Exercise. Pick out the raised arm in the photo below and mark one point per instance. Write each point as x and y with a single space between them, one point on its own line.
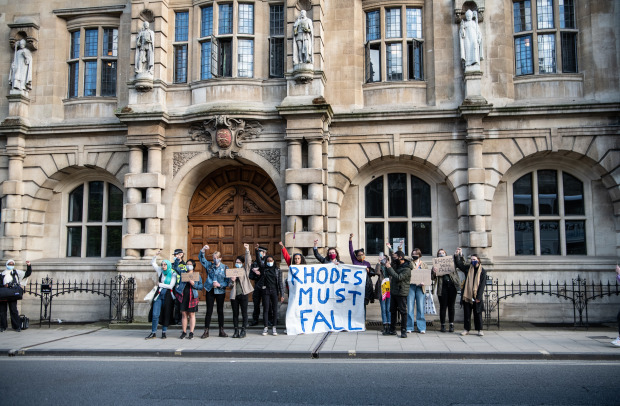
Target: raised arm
155 266
285 254
316 253
351 253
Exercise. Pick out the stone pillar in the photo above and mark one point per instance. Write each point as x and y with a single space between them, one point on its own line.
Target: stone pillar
134 197
294 190
153 196
13 190
315 190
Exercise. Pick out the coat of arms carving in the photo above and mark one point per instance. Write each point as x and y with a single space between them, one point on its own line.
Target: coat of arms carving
225 135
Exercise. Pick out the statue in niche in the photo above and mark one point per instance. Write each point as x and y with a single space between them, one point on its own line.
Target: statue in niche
470 40
144 50
20 77
303 32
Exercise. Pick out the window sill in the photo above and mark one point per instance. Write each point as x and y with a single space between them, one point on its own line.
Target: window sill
549 77
90 99
394 84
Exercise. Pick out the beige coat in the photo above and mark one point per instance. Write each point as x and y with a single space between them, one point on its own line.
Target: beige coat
244 280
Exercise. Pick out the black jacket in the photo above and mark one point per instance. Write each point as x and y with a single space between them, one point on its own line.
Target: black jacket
273 273
459 262
399 278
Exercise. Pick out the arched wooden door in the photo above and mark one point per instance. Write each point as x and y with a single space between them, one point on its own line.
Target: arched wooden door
232 206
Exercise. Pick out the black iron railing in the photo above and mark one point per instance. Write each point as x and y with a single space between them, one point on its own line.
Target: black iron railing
119 290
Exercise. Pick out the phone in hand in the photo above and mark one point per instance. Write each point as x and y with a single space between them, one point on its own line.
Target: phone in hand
382 258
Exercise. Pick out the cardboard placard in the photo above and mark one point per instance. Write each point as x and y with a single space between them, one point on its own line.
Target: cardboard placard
236 272
398 244
186 275
421 276
443 265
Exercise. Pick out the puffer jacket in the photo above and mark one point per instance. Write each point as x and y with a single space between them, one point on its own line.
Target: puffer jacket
399 278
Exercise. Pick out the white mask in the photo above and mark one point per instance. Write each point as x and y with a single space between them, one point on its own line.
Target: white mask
238 265
269 263
190 267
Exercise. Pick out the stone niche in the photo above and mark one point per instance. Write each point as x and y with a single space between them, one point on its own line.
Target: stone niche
25 27
461 6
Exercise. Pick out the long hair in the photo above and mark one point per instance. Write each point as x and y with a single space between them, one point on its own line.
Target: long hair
303 259
337 253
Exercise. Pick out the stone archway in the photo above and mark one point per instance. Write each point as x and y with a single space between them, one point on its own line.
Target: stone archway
232 206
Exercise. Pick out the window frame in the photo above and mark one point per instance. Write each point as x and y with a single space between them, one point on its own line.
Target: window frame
277 41
558 47
409 219
561 217
179 45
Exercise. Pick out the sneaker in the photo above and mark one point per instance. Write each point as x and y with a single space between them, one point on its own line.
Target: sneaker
616 342
151 336
183 334
480 333
265 331
422 332
274 332
409 331
464 333
451 328
163 336
190 336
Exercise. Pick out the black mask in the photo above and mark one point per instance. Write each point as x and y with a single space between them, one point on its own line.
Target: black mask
414 257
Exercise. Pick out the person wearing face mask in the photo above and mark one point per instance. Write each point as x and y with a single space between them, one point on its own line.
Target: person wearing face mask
187 296
215 285
399 271
255 275
273 289
241 288
332 254
163 302
358 257
446 287
176 261
416 298
473 290
8 276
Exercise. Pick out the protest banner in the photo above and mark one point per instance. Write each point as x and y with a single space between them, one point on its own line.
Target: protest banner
236 272
421 276
325 297
443 265
185 276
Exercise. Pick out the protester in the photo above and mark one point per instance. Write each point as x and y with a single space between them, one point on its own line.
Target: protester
296 259
332 254
272 286
163 302
187 296
178 254
616 342
416 298
358 257
10 275
257 296
241 288
446 287
215 285
382 293
399 271
473 290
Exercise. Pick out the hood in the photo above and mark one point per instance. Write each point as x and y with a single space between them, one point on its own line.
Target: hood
7 262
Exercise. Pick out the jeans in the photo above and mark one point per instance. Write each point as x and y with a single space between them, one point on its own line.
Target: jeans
240 301
157 305
385 310
415 302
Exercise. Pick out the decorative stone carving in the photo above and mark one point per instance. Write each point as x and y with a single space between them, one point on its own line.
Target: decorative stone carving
271 155
303 32
20 76
225 135
250 207
25 28
179 159
144 60
461 6
470 39
226 207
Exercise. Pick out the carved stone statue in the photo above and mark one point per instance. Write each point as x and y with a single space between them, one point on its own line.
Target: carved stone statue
304 33
144 50
20 77
470 40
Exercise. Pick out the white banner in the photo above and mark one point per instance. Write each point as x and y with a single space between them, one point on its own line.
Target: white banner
325 297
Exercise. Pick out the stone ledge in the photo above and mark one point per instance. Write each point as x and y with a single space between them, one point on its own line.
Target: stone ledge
145 180
144 210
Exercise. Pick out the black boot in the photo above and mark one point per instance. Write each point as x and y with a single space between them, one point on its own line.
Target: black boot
386 327
222 332
403 333
242 334
205 334
443 328
236 333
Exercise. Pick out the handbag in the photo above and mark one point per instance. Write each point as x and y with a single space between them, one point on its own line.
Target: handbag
149 296
13 292
429 304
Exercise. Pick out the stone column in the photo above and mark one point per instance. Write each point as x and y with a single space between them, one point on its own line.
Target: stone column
134 197
477 204
294 190
315 190
153 196
13 190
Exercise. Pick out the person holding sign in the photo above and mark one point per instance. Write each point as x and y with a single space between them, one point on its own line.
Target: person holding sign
473 290
216 289
257 297
399 271
271 277
332 255
241 288
447 284
416 298
186 293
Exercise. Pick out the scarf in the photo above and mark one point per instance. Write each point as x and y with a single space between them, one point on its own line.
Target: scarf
168 272
471 284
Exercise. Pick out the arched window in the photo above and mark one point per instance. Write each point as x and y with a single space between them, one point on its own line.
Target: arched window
397 206
94 220
549 214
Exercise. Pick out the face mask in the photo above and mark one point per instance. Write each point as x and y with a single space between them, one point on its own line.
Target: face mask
216 260
415 257
190 267
238 265
474 263
442 254
10 267
269 263
332 256
261 254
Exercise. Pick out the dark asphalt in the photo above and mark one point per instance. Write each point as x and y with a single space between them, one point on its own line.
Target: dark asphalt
106 381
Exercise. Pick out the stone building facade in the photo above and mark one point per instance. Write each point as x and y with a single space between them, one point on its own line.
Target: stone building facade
382 132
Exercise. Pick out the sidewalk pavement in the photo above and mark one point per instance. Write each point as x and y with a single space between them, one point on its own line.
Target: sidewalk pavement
521 341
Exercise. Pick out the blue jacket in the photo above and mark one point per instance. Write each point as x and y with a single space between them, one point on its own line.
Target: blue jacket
214 273
198 285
